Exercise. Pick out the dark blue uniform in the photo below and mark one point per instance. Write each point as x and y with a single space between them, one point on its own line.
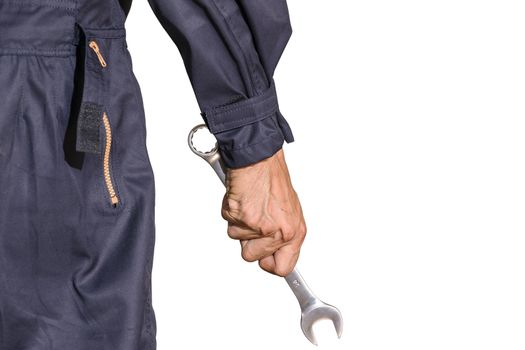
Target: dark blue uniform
76 185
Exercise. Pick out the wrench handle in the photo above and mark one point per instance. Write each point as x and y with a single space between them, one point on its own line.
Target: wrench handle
218 166
294 279
304 295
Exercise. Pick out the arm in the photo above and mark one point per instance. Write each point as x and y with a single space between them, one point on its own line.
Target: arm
230 49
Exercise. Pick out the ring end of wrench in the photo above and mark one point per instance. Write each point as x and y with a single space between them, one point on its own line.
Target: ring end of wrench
206 155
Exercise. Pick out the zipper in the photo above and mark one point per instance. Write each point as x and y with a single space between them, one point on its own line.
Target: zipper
93 44
110 187
106 165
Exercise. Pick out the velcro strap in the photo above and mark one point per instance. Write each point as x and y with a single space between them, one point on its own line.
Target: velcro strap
243 112
88 127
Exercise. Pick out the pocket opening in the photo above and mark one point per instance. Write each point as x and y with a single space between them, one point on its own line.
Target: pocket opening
94 46
106 163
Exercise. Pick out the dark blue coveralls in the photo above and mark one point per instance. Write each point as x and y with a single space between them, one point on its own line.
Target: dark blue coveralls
76 184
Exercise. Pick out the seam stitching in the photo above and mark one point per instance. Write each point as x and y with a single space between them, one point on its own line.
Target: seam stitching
250 145
230 26
32 3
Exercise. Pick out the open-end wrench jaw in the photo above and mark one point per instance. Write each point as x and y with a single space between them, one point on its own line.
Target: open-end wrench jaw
317 311
312 308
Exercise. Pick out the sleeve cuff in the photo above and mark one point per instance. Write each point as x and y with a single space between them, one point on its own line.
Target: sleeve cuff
250 130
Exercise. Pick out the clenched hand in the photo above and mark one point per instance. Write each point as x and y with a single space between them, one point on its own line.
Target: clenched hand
264 213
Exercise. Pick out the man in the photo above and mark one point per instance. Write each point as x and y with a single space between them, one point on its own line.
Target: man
76 185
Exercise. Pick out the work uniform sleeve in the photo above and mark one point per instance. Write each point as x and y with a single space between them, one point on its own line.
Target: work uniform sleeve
230 49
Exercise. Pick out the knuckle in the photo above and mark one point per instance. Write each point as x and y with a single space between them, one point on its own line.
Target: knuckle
288 235
282 270
302 230
225 214
229 210
266 229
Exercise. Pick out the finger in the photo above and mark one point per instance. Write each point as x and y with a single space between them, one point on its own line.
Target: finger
243 243
256 249
268 264
285 259
241 232
228 213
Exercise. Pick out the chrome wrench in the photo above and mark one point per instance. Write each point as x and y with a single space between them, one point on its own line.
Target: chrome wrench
312 308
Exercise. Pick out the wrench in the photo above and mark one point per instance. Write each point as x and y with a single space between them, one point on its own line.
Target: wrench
312 308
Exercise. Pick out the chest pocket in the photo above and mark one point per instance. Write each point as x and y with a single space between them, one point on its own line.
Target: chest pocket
94 133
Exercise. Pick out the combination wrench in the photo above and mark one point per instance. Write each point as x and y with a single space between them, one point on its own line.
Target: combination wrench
312 308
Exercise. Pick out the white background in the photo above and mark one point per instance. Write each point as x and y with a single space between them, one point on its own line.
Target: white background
409 119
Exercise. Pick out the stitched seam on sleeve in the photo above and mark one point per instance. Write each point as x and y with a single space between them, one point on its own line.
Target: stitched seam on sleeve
241 122
216 112
251 66
274 135
244 112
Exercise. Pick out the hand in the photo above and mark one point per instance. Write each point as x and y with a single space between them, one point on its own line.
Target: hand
264 214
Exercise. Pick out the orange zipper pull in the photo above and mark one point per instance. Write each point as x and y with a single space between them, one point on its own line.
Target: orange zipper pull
93 44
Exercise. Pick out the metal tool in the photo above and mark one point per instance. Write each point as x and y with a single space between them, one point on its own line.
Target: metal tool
312 308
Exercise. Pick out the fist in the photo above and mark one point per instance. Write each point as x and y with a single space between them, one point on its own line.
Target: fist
264 213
